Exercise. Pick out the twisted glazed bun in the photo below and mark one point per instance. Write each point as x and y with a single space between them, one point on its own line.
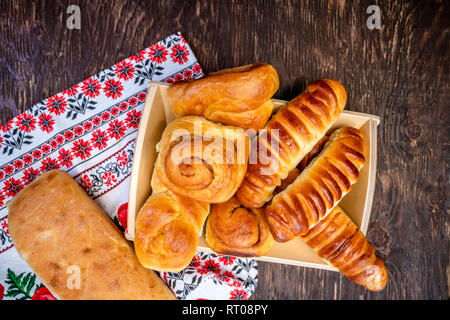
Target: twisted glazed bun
319 187
234 230
291 133
202 160
167 230
338 241
237 96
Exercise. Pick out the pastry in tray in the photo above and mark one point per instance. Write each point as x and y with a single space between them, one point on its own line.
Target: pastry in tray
290 134
203 160
238 96
234 230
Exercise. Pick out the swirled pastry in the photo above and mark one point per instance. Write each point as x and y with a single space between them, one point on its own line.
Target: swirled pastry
291 133
234 230
167 230
237 96
319 187
338 241
201 159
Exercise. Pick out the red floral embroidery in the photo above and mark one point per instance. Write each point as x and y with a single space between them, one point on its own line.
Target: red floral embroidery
113 89
179 54
196 262
2 203
85 182
110 178
239 294
158 53
78 130
46 149
133 118
115 111
46 122
116 129
99 139
42 294
2 291
122 158
123 106
142 96
81 149
12 186
87 125
18 164
106 115
196 68
65 158
187 73
132 101
71 91
56 105
211 266
68 135
49 164
37 154
169 80
9 169
178 77
124 70
139 56
29 175
60 139
227 260
97 121
28 158
26 122
53 144
91 87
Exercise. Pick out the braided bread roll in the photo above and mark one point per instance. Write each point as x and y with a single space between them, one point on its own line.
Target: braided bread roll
320 186
338 241
234 230
167 230
201 159
293 131
237 96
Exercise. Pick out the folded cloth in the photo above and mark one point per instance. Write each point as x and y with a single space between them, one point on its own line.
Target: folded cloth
90 131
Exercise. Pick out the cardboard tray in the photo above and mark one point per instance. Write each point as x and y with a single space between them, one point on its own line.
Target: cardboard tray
157 113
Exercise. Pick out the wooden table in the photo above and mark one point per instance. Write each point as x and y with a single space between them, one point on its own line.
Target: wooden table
399 72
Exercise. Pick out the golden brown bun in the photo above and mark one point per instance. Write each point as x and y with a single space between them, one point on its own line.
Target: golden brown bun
167 230
57 228
319 187
295 129
234 230
236 96
201 159
337 240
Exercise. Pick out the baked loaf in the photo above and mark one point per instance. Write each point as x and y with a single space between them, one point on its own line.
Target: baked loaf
234 230
320 186
201 159
57 229
338 241
237 96
167 230
291 133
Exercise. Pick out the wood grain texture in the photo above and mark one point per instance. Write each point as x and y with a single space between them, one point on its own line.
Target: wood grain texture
399 72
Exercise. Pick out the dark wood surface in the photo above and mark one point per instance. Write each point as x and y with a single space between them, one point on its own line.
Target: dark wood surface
400 72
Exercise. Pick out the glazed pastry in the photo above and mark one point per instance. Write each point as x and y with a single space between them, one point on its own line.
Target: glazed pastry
61 232
319 187
238 96
202 160
234 230
338 241
291 134
167 230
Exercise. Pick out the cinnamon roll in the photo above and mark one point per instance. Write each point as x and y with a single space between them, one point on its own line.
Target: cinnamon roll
201 159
